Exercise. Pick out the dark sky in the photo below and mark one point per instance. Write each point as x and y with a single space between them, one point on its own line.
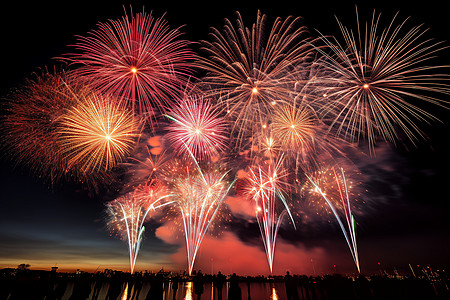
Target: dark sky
407 221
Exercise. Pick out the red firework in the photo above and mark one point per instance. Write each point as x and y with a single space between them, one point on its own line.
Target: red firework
138 58
31 122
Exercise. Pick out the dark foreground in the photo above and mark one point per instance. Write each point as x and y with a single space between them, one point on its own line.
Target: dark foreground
27 284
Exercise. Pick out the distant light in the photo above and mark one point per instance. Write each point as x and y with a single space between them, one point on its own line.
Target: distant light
273 102
197 131
133 70
108 137
264 126
254 90
365 86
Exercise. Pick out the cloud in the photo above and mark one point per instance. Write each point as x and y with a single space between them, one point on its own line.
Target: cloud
229 253
241 206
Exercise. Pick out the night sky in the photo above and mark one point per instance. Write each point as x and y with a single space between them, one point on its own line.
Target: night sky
406 220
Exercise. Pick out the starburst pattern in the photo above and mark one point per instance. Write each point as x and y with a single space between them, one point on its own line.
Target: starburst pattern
138 58
197 126
97 134
249 70
376 82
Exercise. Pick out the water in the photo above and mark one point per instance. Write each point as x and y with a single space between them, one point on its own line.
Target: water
258 291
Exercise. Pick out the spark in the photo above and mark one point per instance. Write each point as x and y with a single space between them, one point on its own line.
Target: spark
247 68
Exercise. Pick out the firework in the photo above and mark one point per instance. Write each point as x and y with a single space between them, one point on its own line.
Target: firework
303 137
294 128
344 204
128 213
138 58
268 146
197 126
198 195
248 70
266 184
30 124
146 166
374 84
97 134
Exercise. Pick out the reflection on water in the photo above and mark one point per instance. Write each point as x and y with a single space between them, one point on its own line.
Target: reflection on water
125 293
303 288
258 291
274 295
188 291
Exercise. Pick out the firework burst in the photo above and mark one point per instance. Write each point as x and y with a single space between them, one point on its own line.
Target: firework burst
138 58
146 166
196 126
304 138
30 125
294 128
373 85
97 134
248 69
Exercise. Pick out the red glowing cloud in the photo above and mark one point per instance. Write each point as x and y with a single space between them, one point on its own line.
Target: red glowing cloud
228 254
241 206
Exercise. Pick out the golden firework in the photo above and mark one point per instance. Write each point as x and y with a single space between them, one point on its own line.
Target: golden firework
97 134
294 128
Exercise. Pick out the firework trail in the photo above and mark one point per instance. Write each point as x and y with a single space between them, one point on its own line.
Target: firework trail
97 134
248 69
374 84
138 58
350 232
198 195
265 184
128 213
196 126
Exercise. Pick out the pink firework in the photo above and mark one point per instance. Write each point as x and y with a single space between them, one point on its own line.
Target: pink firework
197 126
138 58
